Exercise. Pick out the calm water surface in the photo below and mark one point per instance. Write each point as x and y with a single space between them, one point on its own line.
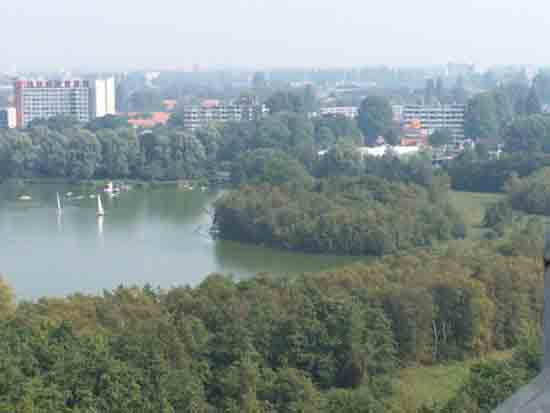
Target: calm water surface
157 236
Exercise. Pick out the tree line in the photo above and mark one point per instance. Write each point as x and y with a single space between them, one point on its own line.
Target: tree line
108 148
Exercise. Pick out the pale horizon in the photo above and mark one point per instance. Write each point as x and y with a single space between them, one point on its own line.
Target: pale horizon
124 34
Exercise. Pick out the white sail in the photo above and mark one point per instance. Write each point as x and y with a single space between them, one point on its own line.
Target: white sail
100 211
58 203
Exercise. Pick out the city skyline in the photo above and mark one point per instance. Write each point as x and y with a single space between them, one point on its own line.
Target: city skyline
259 34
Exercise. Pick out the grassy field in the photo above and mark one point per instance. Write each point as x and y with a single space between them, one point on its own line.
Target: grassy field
472 206
424 385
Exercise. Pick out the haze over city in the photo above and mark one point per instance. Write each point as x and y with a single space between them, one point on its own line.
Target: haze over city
259 33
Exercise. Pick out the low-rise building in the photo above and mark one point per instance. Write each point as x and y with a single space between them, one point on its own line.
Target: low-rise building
379 151
349 112
149 120
8 118
197 116
412 134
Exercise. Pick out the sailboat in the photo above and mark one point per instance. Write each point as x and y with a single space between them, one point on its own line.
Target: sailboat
59 210
100 211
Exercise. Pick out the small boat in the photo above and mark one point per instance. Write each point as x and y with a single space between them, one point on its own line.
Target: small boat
69 194
100 211
25 198
79 197
59 210
92 196
110 188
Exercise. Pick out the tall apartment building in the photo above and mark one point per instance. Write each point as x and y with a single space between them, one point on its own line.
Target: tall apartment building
432 118
8 118
83 99
197 116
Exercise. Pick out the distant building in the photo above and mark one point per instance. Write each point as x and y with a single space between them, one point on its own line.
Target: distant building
197 116
379 151
436 117
397 113
350 112
169 104
153 119
83 99
103 97
8 118
412 134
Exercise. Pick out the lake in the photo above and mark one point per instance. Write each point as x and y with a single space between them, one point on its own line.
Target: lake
156 235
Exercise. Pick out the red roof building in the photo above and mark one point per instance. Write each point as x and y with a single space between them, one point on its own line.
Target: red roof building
137 120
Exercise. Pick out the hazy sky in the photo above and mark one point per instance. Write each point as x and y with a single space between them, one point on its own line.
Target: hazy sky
266 33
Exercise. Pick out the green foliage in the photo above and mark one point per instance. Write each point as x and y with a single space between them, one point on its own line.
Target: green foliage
528 134
336 129
164 153
492 382
441 137
480 119
108 122
530 194
269 166
299 101
498 213
532 103
541 84
322 342
7 300
375 117
357 216
469 173
56 123
340 160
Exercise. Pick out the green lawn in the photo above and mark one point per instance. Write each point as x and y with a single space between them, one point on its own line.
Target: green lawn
424 385
472 207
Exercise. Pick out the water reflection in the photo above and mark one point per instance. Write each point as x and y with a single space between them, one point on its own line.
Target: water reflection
100 228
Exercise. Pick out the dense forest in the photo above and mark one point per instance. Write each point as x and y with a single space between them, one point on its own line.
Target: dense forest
356 216
326 342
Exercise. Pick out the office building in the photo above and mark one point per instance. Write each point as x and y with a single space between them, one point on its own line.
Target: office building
436 117
197 116
83 99
8 118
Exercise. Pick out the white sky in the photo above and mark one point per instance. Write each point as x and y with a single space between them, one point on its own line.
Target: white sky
267 33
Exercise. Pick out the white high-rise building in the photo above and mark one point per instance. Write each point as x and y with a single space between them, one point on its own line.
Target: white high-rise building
104 97
83 99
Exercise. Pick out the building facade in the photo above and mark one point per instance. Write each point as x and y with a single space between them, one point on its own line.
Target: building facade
197 116
432 118
83 99
103 97
350 112
8 118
